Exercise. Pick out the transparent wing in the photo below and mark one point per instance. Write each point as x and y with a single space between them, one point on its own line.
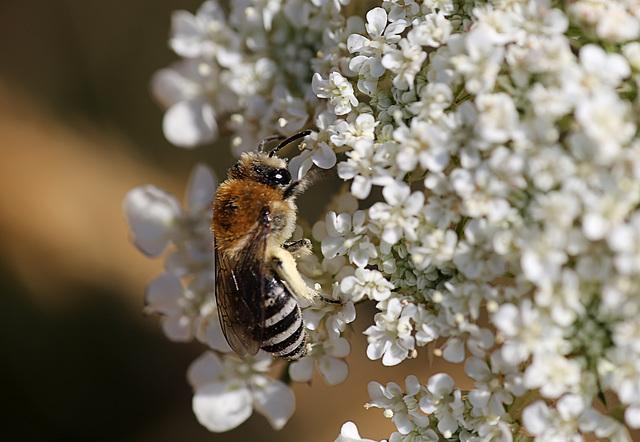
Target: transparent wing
240 290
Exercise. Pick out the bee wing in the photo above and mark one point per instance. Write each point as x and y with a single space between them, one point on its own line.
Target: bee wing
240 292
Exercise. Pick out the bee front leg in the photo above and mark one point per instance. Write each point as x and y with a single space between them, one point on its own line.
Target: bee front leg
298 248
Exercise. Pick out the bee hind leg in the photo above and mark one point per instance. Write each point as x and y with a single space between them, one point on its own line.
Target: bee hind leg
285 267
298 248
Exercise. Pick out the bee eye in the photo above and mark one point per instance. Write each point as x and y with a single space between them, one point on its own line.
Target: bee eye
280 176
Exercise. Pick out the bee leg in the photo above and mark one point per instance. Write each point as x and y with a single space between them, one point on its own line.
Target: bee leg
298 248
292 190
284 265
330 301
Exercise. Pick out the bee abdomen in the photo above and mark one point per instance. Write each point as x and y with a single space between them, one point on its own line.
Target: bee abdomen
284 334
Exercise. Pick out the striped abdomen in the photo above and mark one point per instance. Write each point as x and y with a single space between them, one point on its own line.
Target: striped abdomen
284 333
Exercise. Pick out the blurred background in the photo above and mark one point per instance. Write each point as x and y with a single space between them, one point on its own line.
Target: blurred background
78 129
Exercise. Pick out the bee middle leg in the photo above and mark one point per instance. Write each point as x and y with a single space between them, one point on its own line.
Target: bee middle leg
298 248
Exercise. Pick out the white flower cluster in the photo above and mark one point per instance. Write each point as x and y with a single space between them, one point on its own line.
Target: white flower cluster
504 139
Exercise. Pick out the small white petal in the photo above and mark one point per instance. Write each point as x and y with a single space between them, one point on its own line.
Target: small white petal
441 384
153 215
355 42
396 193
349 433
302 369
190 123
213 336
275 401
202 186
361 187
453 350
335 371
535 417
164 294
178 328
187 36
376 21
222 406
325 157
632 416
169 86
204 370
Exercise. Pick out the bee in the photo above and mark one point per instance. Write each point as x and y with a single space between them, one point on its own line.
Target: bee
257 284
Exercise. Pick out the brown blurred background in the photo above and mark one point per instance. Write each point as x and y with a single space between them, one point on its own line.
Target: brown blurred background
78 129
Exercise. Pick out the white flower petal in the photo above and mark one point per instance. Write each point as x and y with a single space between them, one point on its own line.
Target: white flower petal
163 294
178 328
441 384
153 215
213 336
334 370
170 86
202 186
204 370
376 21
361 187
222 406
302 369
535 417
349 433
190 123
324 157
186 40
275 401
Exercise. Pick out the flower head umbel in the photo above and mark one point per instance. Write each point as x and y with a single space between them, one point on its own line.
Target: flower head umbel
492 164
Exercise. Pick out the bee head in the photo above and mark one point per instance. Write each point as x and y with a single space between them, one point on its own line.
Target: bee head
266 168
260 167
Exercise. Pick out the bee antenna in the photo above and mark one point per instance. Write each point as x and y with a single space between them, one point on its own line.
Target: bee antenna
268 140
289 140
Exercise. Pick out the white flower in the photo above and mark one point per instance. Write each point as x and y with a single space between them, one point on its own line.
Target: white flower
346 235
444 402
366 283
396 219
337 89
400 406
481 62
190 119
559 424
321 155
553 374
365 166
391 339
424 143
329 356
490 395
227 390
356 133
433 31
205 34
368 64
405 62
617 24
497 117
610 129
155 216
525 328
504 135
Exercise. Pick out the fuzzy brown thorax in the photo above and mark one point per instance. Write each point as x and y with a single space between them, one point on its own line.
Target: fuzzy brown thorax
256 184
